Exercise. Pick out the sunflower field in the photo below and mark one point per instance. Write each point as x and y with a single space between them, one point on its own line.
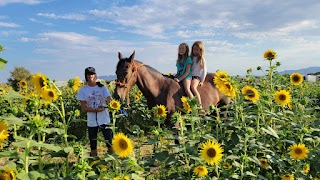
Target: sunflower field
271 130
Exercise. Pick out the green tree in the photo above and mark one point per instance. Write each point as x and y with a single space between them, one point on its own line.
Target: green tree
19 73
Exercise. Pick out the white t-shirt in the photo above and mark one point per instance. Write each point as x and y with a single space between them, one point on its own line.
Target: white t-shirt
95 97
198 70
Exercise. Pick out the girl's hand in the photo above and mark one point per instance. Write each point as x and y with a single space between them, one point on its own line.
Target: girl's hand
201 83
176 79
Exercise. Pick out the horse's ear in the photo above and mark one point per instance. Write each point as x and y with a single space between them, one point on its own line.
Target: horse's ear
131 58
119 55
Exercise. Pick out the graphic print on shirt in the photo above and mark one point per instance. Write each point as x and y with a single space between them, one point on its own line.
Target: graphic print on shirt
95 99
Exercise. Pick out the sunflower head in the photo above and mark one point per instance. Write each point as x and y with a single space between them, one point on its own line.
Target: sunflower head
160 111
298 151
296 79
122 145
3 133
287 177
226 165
114 105
225 87
269 54
39 81
264 163
136 98
23 84
211 152
282 97
49 94
200 171
306 168
250 93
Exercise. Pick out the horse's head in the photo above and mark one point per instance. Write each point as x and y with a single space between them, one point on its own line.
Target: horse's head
126 76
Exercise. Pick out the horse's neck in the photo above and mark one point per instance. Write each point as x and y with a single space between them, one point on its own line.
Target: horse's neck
149 82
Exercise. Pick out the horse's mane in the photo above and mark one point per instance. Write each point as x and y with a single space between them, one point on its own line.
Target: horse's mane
149 67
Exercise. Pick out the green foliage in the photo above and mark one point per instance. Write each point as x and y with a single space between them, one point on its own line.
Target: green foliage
18 74
48 141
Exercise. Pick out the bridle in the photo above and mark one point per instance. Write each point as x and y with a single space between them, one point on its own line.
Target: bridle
135 70
125 85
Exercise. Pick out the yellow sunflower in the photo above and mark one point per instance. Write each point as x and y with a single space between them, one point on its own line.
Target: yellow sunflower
126 178
122 145
76 84
296 79
49 94
264 163
136 98
287 177
211 152
220 77
250 93
269 54
226 88
306 168
3 132
200 171
226 165
23 84
115 105
39 81
8 174
184 99
282 97
298 151
140 93
160 111
186 106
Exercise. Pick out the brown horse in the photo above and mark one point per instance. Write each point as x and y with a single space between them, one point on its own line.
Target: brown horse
158 89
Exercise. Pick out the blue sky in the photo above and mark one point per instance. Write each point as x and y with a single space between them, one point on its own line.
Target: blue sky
60 38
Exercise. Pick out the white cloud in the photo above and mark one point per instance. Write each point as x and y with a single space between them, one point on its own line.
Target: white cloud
100 29
5 2
71 16
9 25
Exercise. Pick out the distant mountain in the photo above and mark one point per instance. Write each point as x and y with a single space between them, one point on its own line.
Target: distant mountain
108 77
303 71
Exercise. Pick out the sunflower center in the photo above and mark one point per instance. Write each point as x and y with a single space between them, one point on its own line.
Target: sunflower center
296 79
114 105
228 86
123 144
41 83
160 111
282 97
298 151
211 152
200 169
50 94
250 93
270 55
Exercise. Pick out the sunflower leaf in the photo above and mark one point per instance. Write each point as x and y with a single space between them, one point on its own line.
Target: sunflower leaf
270 131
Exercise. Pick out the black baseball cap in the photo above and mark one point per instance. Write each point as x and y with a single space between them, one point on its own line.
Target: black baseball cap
90 70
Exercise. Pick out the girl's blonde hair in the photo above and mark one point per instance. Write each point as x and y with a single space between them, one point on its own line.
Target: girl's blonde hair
184 56
200 58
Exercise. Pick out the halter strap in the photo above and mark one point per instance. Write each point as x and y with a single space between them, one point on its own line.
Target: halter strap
135 70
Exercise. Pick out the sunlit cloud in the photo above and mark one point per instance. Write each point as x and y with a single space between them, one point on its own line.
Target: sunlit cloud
9 25
71 16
